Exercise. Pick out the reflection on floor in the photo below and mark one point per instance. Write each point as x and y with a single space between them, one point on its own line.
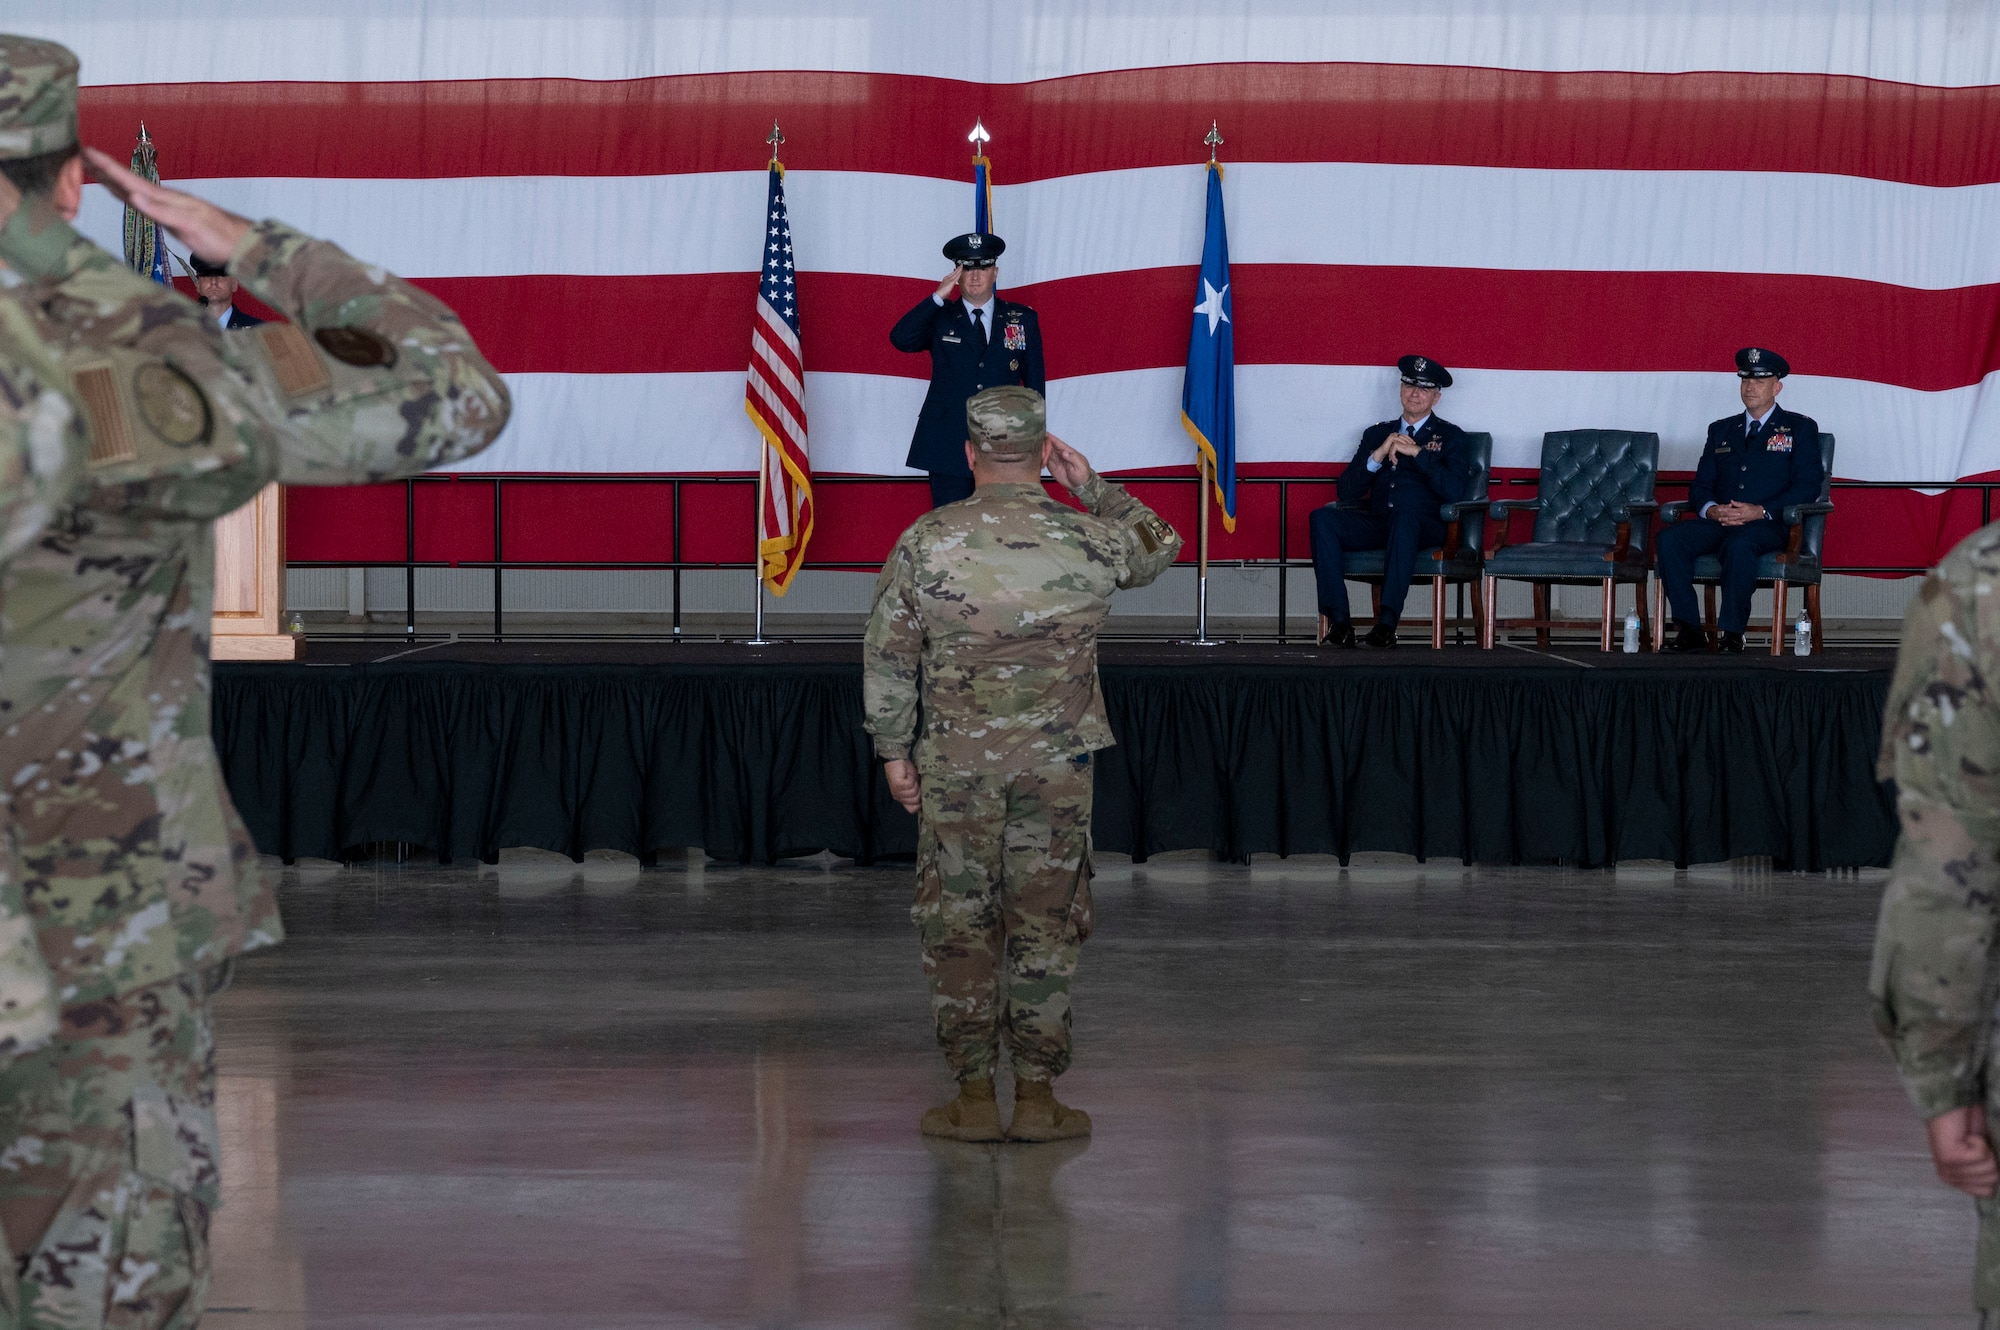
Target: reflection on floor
1397 1096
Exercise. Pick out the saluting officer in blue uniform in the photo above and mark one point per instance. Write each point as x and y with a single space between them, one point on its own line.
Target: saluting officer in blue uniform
1756 463
1405 469
977 341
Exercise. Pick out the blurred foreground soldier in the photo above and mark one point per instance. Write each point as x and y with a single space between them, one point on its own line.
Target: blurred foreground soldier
1933 976
1404 471
976 341
985 623
216 290
1754 465
139 877
42 446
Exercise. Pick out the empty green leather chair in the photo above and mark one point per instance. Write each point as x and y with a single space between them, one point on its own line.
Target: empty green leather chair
1593 526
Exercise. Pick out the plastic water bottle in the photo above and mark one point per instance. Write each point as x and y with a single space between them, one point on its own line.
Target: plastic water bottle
1802 637
1632 634
297 627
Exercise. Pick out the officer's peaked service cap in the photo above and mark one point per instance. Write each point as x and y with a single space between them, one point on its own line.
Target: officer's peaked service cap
203 268
1007 423
1424 372
975 249
37 97
1754 362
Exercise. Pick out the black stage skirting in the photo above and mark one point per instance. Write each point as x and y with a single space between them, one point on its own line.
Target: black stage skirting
756 754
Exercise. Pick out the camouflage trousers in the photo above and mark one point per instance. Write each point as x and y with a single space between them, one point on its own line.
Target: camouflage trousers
1003 891
108 1164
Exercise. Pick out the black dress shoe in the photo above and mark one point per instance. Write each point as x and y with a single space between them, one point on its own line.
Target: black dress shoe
1380 636
1732 644
1340 635
1687 639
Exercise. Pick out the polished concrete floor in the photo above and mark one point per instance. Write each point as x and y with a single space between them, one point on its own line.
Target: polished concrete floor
550 1095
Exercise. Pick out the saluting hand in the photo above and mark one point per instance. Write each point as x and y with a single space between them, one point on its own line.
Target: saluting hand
1963 1155
209 231
1070 467
950 282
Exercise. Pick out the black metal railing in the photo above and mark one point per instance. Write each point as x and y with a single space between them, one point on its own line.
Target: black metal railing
677 565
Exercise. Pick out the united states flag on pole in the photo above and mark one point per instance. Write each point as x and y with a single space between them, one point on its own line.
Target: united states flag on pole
775 398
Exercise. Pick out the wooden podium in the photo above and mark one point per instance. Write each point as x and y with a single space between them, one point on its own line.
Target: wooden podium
250 583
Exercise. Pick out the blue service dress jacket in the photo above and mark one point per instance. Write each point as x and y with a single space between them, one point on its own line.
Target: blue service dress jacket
1438 474
1013 355
238 319
1779 468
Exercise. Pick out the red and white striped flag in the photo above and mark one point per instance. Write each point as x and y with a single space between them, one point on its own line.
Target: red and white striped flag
775 397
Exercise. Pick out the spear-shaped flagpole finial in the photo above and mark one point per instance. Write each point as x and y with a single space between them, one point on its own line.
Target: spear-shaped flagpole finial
144 137
1214 139
777 137
978 138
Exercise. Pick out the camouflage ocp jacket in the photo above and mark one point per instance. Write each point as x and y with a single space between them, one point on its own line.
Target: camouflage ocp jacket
135 864
1933 980
988 612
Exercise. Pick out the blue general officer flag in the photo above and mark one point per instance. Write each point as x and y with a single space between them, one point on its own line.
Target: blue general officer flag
1208 396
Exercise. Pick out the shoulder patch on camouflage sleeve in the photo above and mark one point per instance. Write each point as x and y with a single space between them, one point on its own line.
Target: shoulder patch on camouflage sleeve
170 404
359 347
295 364
110 427
1153 533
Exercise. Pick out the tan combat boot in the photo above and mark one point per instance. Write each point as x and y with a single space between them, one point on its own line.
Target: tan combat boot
1038 1116
973 1116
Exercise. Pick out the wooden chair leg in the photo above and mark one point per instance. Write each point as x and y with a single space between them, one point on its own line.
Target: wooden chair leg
1604 614
1659 615
1778 616
1479 608
1489 601
1812 612
1708 615
1437 614
1542 615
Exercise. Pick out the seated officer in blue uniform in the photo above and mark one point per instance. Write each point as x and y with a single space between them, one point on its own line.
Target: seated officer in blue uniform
1756 463
217 291
976 341
1405 469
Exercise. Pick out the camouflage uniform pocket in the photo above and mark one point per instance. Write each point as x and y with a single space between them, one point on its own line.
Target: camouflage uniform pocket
174 1142
161 1277
1080 920
924 909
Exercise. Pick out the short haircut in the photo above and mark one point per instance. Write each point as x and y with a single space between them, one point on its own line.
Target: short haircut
37 174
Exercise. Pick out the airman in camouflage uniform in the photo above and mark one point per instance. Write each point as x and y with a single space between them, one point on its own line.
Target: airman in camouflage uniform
985 622
41 455
1934 982
138 874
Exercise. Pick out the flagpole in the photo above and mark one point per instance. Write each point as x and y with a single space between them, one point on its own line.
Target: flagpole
1206 486
757 638
1201 637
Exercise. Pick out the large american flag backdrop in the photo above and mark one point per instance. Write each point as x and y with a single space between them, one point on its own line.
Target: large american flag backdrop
1582 209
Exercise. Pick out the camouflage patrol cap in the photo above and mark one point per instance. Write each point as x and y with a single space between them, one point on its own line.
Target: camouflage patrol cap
37 97
1008 423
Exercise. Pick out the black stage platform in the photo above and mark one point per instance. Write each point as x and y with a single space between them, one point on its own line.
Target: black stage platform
755 754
